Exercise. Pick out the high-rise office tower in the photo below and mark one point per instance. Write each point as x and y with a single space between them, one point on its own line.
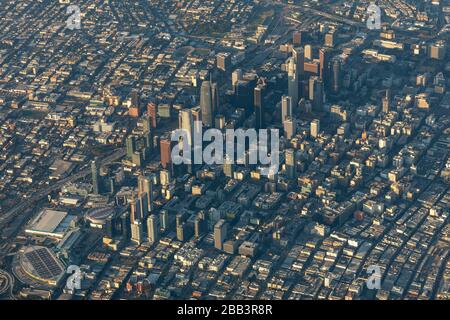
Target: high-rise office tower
336 76
315 128
135 222
297 38
296 70
298 54
153 228
165 177
146 123
181 227
386 101
137 232
235 77
145 186
290 163
198 227
312 84
209 102
220 122
286 108
131 146
206 103
289 128
186 123
224 62
259 104
324 58
135 100
164 219
137 158
152 112
196 114
135 107
220 233
179 219
330 39
133 208
308 52
148 135
438 50
293 83
228 167
215 100
124 225
142 207
244 96
166 153
181 230
95 177
316 93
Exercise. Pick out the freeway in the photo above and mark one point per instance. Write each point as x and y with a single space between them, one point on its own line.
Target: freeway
323 14
5 218
341 19
6 284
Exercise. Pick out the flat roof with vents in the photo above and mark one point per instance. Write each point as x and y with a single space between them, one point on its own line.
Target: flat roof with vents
50 223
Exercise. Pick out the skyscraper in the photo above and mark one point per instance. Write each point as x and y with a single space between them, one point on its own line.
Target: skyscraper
137 232
438 50
296 70
186 122
293 83
196 114
324 58
298 54
131 146
244 96
164 219
133 208
166 153
198 227
95 177
215 100
308 52
315 128
316 93
165 177
336 76
135 100
259 104
330 39
235 77
209 102
220 233
290 163
386 101
148 136
151 112
181 228
286 108
153 228
145 187
224 61
289 128
142 207
228 167
297 38
135 107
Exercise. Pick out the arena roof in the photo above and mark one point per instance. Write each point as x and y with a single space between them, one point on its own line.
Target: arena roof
41 264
